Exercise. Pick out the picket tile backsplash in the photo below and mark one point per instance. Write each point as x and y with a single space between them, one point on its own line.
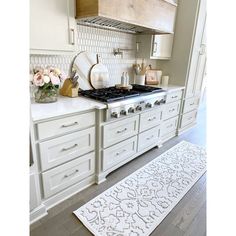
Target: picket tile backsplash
99 41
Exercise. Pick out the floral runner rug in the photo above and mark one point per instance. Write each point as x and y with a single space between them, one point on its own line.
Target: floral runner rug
136 205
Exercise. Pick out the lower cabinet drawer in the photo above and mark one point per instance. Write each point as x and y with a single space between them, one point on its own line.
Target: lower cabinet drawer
171 110
191 104
60 150
169 126
63 176
174 96
148 138
188 118
118 153
150 119
120 130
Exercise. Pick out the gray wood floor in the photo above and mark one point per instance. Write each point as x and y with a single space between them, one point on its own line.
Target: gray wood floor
188 218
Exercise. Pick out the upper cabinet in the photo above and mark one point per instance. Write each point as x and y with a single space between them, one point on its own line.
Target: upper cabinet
154 46
134 16
52 26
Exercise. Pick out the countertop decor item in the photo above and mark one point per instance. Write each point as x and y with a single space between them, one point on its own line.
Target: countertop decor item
70 87
153 77
139 73
165 80
47 82
137 204
99 75
82 64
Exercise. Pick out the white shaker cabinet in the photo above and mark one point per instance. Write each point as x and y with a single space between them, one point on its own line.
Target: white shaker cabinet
154 46
52 26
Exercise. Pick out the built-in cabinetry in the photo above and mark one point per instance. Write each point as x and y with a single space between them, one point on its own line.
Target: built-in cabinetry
52 26
65 149
154 46
188 62
171 115
130 15
124 139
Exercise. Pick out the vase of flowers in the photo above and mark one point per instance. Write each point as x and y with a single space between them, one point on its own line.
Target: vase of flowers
47 82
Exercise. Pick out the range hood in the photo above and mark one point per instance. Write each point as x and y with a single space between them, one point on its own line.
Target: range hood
130 16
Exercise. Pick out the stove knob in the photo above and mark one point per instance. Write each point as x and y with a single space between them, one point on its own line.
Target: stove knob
131 110
163 101
157 102
149 105
123 112
115 115
139 108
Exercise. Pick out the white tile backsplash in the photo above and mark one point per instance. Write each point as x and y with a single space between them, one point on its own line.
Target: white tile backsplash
99 41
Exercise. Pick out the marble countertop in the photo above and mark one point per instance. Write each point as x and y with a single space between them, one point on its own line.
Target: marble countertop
63 106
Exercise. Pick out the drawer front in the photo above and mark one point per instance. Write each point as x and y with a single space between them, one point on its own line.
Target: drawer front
169 126
60 150
188 118
63 125
191 104
63 176
148 138
118 131
171 110
175 96
119 152
150 119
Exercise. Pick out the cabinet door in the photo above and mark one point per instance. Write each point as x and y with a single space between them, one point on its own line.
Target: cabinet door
162 46
34 197
196 51
200 73
52 25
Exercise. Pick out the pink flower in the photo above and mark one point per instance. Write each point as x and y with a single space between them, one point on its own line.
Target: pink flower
38 79
54 79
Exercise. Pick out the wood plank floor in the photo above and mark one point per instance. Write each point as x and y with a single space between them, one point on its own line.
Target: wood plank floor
188 218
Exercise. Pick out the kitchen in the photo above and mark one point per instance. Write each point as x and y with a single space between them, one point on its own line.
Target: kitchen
139 88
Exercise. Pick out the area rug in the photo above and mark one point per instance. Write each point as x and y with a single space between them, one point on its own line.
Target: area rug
136 205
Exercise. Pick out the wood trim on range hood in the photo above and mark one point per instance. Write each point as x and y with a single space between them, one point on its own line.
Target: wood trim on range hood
131 16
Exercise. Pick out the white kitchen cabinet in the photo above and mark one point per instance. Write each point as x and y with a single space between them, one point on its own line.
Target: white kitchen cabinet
154 46
52 26
188 62
34 195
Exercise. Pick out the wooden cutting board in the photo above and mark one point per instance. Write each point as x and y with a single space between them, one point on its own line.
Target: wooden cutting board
99 75
83 64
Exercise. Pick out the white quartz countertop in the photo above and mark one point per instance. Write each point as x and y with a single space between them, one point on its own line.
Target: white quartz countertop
170 87
63 106
67 105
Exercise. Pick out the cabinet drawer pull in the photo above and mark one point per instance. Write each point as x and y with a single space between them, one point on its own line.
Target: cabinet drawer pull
191 104
121 131
66 176
66 149
72 31
65 126
118 153
174 96
172 110
150 137
190 118
169 126
151 119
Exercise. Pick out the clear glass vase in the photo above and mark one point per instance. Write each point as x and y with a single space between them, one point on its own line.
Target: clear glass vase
47 95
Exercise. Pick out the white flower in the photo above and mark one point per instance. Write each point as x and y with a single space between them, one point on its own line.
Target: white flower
54 79
57 71
46 79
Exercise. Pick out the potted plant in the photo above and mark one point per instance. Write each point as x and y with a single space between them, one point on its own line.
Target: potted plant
47 82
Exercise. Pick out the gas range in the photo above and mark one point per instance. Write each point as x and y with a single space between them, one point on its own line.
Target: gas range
121 103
